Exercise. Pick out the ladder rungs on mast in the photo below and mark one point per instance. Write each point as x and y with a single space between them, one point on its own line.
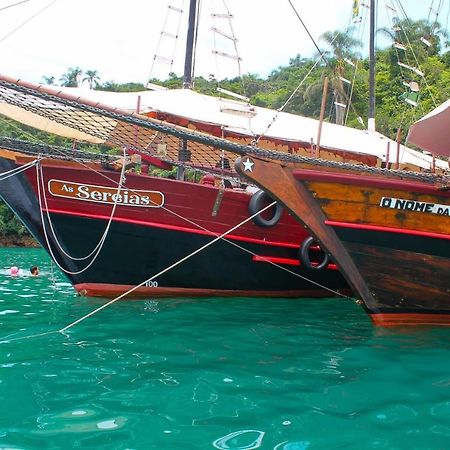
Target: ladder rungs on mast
169 35
227 55
414 69
222 33
174 8
163 59
233 94
222 16
399 46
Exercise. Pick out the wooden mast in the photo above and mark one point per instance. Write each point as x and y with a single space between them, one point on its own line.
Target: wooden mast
184 153
371 115
190 45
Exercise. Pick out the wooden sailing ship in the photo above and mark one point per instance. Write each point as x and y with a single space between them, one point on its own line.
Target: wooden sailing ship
387 230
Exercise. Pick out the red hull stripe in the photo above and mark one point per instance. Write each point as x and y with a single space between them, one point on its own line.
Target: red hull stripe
285 261
360 226
114 290
399 319
174 228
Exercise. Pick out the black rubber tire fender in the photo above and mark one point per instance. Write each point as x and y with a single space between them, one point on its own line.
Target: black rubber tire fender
305 259
257 202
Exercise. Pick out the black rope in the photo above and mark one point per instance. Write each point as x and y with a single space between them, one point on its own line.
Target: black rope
309 34
181 133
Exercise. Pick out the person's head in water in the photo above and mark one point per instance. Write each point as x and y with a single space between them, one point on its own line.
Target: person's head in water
34 271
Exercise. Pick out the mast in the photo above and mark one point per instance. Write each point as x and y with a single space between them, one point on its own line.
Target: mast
371 116
184 154
189 56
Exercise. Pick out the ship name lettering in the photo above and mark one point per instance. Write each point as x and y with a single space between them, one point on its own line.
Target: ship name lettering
413 205
123 198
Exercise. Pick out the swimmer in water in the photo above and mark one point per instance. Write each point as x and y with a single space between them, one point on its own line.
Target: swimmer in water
14 271
34 271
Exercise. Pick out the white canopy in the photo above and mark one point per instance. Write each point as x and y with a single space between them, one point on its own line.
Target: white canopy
231 115
432 132
238 117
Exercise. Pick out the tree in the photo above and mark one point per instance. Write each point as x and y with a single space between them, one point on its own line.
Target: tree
343 47
91 76
72 77
49 80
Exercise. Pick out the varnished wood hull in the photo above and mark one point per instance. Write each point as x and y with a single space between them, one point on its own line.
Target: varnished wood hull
389 236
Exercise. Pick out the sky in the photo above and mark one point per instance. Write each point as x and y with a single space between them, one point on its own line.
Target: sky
119 39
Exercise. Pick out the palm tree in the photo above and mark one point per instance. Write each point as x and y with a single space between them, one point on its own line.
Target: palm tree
92 78
343 47
72 77
49 80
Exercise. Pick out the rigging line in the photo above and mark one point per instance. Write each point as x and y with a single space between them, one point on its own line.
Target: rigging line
309 34
194 54
17 170
227 8
274 118
190 255
14 4
448 15
28 20
40 187
108 225
185 258
415 57
30 336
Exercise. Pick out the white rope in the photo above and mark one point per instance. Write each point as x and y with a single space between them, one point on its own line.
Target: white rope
50 250
17 170
274 118
28 20
221 236
203 247
105 232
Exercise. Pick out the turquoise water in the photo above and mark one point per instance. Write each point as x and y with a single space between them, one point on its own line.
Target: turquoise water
211 373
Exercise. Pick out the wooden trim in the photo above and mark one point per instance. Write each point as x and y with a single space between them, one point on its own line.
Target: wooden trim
285 261
408 319
114 290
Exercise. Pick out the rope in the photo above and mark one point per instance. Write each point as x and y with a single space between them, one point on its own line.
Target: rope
96 250
99 245
294 93
17 170
28 20
177 263
14 4
309 34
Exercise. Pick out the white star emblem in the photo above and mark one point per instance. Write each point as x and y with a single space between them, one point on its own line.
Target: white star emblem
248 165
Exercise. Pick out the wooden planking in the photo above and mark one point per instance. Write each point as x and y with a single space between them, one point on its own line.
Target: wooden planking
359 204
403 280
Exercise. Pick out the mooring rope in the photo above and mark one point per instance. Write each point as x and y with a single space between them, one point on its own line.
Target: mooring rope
191 222
99 245
97 250
185 258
